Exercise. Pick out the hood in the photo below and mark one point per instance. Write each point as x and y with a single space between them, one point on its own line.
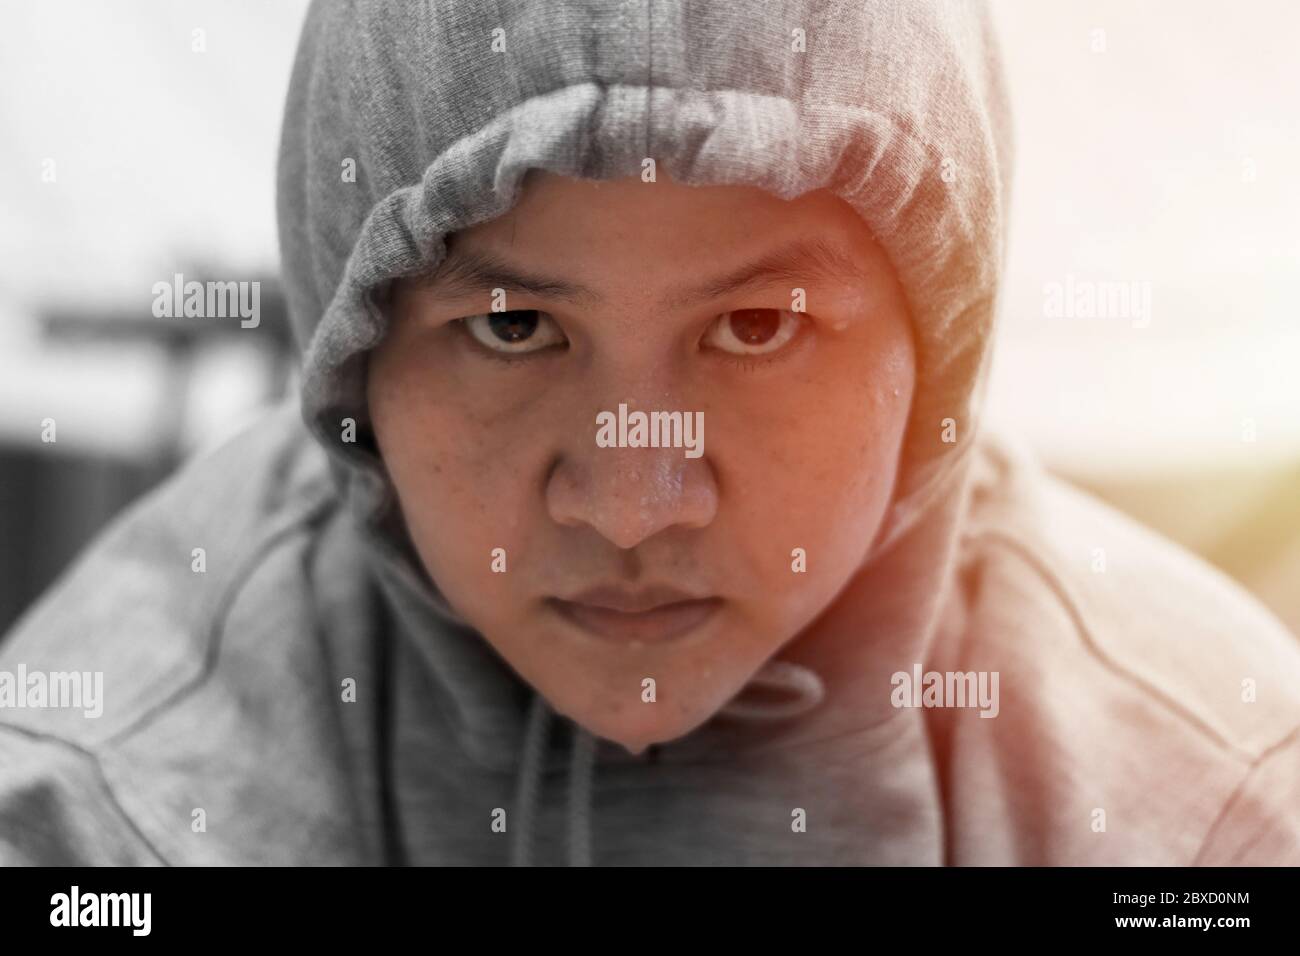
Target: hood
896 106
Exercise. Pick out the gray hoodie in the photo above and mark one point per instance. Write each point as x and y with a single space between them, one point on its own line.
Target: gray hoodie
309 696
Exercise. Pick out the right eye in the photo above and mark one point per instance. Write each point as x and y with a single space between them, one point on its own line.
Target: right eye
514 331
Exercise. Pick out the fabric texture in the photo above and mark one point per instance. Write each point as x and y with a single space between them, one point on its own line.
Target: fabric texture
442 129
222 688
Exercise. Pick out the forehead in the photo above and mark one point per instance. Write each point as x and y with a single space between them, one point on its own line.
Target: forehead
569 238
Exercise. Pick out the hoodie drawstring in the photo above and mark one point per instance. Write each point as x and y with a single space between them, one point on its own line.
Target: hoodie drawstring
582 758
803 687
535 740
581 765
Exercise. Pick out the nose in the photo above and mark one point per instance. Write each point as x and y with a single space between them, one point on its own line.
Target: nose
628 495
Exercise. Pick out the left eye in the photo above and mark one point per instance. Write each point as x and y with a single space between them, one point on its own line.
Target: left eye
752 331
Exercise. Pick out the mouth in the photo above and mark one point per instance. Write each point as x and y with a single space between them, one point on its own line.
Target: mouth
653 616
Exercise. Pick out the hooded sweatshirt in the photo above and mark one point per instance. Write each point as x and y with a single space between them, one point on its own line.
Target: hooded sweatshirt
309 696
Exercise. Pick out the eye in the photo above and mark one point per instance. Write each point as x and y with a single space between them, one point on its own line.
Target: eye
752 331
514 331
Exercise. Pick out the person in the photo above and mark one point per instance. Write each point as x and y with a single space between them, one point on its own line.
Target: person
636 506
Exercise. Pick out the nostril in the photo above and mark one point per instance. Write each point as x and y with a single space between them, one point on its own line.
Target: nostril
628 495
627 521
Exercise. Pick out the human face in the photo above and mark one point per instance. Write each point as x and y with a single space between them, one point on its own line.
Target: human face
618 566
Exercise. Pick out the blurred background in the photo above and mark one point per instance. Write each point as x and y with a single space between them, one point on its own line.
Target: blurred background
1158 146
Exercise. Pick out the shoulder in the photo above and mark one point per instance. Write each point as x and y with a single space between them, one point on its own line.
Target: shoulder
179 615
138 601
1136 677
1150 611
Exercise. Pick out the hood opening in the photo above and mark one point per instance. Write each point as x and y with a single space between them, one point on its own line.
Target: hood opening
896 106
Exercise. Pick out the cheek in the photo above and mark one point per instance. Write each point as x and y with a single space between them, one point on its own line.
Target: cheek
820 476
862 417
457 473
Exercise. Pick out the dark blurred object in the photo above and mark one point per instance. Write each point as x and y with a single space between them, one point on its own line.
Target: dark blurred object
50 506
53 501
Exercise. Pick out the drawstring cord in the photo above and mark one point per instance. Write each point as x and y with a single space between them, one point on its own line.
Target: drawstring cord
803 686
535 740
581 762
580 774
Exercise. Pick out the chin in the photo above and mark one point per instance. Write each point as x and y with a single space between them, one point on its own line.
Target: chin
643 725
636 743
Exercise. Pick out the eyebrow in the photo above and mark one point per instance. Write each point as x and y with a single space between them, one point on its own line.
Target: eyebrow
468 271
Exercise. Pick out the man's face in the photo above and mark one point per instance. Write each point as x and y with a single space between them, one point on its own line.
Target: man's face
780 324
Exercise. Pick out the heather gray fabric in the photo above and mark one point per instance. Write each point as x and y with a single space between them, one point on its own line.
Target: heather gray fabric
895 106
223 688
442 127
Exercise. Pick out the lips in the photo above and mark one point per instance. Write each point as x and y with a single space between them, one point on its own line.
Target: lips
652 614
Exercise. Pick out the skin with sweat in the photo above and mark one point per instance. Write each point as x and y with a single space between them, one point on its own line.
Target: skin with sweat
613 292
